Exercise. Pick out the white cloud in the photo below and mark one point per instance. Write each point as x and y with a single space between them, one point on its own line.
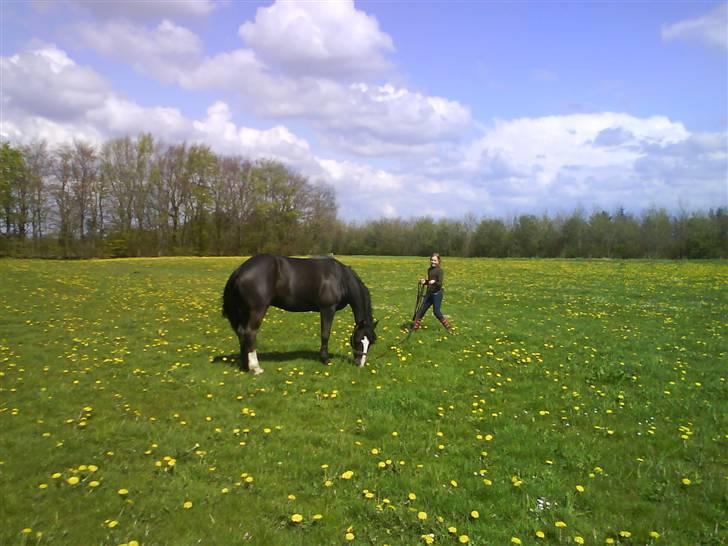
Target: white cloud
45 81
146 10
164 53
357 118
331 39
521 165
711 28
218 131
540 149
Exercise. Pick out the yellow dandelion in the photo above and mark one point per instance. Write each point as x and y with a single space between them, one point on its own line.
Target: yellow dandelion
73 480
560 524
412 496
27 531
296 518
654 535
187 505
94 484
111 524
625 534
516 540
540 534
463 539
347 475
349 536
474 514
580 488
317 517
686 481
291 497
422 516
427 539
123 492
452 530
578 540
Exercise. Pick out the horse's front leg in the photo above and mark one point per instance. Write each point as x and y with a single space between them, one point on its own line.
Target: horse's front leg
327 319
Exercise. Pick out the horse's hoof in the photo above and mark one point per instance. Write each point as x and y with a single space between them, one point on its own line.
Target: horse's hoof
256 371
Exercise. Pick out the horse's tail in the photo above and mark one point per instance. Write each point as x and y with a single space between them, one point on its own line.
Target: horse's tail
232 301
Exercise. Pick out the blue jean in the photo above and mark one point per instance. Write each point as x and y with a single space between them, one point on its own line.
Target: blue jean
434 300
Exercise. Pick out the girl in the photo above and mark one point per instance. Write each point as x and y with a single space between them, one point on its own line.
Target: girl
435 276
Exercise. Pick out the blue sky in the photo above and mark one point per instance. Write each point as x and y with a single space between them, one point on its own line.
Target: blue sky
405 108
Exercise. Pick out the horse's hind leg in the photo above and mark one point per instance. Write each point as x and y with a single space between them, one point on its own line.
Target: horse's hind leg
247 334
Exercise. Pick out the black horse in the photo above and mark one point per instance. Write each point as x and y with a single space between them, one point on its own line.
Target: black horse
296 284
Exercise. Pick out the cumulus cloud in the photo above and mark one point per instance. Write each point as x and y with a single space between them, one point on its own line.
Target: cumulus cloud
301 54
147 10
521 165
540 148
165 52
45 81
711 28
331 39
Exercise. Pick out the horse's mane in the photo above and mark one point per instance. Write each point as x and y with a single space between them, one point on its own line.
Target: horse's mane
363 293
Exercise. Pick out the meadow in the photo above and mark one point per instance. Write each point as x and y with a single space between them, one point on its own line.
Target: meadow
575 402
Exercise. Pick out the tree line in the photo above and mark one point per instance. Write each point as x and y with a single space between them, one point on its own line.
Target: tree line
140 197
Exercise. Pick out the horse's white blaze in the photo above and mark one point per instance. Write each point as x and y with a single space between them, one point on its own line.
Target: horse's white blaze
365 347
253 365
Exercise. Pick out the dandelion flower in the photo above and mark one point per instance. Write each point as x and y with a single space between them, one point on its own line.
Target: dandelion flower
686 481
540 534
452 530
187 505
412 496
347 475
580 488
123 492
560 524
463 539
578 540
422 516
625 534
73 480
654 535
296 518
349 536
516 540
317 517
111 524
474 514
94 483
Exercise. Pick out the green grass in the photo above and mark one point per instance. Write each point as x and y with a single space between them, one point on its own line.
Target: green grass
597 386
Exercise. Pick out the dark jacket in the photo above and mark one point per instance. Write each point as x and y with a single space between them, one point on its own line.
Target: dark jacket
438 275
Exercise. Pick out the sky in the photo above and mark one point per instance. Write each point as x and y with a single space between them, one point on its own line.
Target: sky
407 109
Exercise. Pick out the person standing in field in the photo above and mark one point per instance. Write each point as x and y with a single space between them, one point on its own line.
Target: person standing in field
434 295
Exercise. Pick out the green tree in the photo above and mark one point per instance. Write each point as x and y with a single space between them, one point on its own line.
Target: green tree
13 185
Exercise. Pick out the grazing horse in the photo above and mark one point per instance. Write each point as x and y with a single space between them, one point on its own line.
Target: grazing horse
296 284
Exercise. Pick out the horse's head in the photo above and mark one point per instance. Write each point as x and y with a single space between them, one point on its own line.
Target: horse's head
363 337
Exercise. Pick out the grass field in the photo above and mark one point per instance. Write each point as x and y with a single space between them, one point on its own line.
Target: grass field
577 402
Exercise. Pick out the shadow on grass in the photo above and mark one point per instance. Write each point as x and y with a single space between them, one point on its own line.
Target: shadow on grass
274 356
